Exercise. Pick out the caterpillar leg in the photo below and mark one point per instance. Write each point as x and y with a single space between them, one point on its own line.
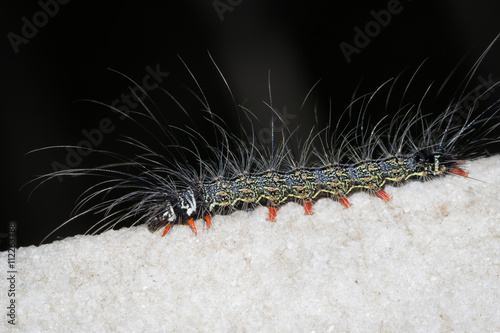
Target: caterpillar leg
459 171
345 202
308 208
208 220
383 195
193 226
167 229
161 221
190 222
272 213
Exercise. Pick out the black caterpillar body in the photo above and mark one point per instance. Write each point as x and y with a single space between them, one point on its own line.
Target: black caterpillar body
274 188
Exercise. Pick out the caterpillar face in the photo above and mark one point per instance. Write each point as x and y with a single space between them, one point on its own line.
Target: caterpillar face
166 217
176 209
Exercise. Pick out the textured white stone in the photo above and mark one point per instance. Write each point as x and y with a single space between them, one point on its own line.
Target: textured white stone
428 261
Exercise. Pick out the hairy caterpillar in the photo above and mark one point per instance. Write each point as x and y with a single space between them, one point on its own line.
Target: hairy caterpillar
175 184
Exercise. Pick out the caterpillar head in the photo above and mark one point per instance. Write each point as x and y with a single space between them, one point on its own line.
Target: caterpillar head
167 216
435 163
176 209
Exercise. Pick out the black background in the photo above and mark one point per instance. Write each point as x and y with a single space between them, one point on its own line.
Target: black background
297 41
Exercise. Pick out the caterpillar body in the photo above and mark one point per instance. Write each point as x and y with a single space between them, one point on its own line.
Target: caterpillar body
274 188
159 189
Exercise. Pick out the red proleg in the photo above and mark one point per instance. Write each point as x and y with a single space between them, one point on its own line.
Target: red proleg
460 172
272 213
383 195
167 229
345 202
208 220
308 208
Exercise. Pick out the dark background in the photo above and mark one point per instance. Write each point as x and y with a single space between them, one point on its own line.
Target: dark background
297 41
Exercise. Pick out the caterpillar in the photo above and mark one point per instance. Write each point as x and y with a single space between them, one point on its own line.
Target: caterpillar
176 184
